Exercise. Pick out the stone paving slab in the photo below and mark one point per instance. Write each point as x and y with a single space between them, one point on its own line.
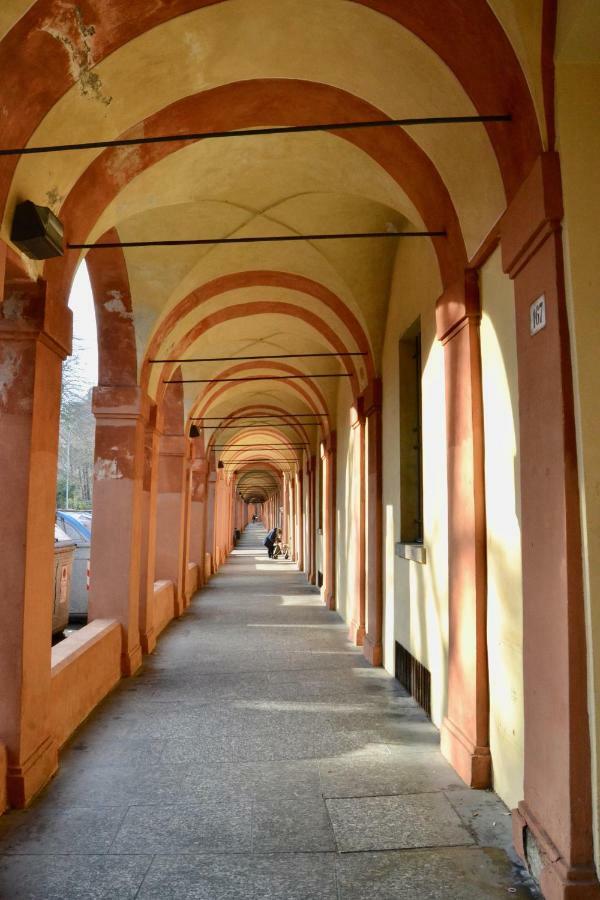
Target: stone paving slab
60 830
285 826
443 874
186 828
73 877
390 823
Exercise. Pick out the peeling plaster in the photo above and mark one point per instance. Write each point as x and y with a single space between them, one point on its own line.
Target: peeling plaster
116 305
75 36
106 470
54 198
12 307
10 364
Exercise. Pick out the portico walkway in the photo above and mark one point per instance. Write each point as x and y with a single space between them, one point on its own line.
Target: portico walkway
257 756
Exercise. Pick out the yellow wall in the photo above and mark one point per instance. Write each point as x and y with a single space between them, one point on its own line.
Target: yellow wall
578 134
346 510
416 595
502 500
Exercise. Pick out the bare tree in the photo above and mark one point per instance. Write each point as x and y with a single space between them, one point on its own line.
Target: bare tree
76 440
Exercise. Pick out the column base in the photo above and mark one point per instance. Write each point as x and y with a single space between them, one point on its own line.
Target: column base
148 641
357 634
373 651
557 880
472 763
24 781
329 600
131 660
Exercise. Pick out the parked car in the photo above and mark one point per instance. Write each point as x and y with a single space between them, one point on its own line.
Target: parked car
64 553
78 525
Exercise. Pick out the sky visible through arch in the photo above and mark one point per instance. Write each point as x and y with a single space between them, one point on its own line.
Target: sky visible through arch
85 343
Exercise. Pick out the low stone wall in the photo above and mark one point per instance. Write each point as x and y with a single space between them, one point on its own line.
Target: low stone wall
191 581
85 668
164 604
3 765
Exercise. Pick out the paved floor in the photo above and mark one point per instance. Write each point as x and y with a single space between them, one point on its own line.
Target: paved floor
257 756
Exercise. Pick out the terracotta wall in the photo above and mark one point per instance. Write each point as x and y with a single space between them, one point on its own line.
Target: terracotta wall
85 667
578 140
164 604
192 579
3 765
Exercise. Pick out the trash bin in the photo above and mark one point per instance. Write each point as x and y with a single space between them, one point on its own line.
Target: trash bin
77 526
64 553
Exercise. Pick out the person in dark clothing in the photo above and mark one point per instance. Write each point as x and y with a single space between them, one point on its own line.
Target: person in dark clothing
270 541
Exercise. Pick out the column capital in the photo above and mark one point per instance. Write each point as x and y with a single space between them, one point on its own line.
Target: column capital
535 212
458 305
28 313
121 402
371 397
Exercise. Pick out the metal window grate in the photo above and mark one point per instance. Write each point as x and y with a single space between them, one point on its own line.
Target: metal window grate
414 677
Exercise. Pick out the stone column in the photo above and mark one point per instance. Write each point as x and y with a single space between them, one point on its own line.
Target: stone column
120 413
357 621
148 540
300 519
465 730
329 492
312 523
553 824
198 514
173 463
284 524
210 512
373 646
35 336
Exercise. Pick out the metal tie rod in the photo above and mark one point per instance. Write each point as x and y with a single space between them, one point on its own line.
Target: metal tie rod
253 132
256 416
261 239
204 359
254 378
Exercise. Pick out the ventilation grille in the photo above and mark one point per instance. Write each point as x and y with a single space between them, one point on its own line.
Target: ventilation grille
414 677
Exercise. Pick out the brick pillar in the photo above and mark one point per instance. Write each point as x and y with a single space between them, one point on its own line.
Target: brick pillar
357 620
311 571
173 463
148 540
329 491
300 519
198 514
35 336
210 518
120 413
373 646
553 824
465 730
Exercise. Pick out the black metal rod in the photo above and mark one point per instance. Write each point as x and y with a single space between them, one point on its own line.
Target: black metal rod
253 132
257 416
254 378
243 358
260 446
233 462
260 239
250 425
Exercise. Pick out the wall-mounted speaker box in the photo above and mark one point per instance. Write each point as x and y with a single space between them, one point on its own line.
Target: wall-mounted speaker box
36 231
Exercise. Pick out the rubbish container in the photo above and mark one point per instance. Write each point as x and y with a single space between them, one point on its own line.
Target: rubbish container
64 553
77 526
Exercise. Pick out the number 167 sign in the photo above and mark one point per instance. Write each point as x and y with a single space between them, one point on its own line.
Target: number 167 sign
537 315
